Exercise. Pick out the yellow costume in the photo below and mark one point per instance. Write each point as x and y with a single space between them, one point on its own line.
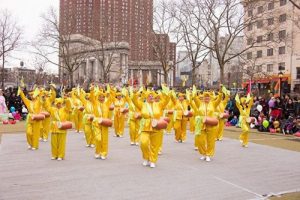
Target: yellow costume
119 117
88 115
101 102
158 98
77 114
150 137
244 105
134 121
33 128
170 107
220 110
59 113
192 123
50 96
207 133
180 121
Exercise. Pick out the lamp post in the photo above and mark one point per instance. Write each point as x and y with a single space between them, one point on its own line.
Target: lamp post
280 75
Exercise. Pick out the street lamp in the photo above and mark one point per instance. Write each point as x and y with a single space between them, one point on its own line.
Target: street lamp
280 75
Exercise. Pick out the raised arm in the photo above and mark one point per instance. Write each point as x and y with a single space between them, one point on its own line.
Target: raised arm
136 101
25 100
164 100
218 100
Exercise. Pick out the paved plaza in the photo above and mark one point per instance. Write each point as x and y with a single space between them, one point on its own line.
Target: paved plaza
235 172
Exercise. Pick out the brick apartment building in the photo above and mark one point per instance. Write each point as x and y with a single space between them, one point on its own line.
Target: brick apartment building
110 21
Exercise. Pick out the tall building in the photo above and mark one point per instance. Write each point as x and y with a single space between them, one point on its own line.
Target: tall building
109 21
280 46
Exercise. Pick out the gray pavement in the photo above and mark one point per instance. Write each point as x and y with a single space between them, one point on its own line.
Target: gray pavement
235 173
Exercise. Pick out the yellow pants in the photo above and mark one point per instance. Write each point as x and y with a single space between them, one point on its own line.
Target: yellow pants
206 142
171 123
134 126
150 145
101 140
45 128
119 125
89 133
161 139
58 145
77 118
192 124
33 133
196 141
244 137
220 129
180 130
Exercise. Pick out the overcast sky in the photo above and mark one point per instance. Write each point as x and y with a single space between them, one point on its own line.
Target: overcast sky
27 13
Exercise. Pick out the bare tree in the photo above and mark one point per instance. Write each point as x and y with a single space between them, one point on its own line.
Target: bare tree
54 40
10 36
223 21
194 38
165 26
295 4
40 67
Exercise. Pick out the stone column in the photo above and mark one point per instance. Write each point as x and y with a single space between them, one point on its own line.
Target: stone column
141 77
88 69
150 76
96 70
131 76
161 76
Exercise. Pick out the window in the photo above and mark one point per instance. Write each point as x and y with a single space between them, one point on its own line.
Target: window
259 24
281 66
282 2
270 21
250 13
269 52
281 50
249 41
271 6
282 35
298 73
270 37
259 39
260 9
249 55
259 68
259 54
269 67
282 18
250 27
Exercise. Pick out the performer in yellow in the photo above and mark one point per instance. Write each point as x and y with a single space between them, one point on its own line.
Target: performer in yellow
169 112
157 99
88 116
180 121
221 110
33 128
101 102
60 112
207 133
78 108
198 100
49 96
134 119
150 137
119 116
244 105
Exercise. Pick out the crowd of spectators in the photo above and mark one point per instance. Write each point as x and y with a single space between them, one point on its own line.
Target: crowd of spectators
272 114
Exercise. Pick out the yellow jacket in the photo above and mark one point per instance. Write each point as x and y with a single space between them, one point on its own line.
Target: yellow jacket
59 115
150 111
